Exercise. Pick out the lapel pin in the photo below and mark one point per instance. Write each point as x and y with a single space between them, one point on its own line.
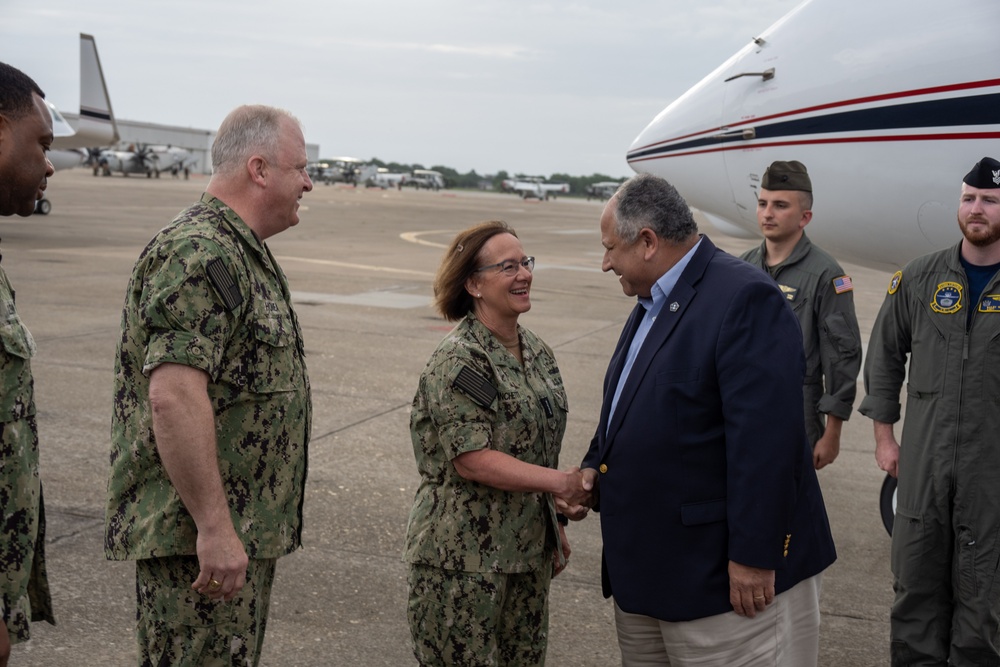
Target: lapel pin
674 306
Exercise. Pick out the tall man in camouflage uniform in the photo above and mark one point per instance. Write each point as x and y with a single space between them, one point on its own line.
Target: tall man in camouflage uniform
943 312
212 406
25 136
822 298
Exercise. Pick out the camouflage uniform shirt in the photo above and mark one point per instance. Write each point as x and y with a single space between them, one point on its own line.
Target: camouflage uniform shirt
24 589
207 293
457 524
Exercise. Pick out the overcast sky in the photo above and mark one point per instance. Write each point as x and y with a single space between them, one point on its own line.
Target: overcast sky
537 88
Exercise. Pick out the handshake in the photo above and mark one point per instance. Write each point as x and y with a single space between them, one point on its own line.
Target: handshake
578 493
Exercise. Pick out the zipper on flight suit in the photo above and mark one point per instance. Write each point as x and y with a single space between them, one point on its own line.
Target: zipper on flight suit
966 540
961 387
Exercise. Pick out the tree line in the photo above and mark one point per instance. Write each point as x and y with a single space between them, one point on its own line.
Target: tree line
473 180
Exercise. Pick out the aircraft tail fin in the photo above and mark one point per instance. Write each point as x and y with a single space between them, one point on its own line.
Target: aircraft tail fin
97 121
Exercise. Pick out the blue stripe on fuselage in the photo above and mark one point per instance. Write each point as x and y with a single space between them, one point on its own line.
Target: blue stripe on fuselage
954 112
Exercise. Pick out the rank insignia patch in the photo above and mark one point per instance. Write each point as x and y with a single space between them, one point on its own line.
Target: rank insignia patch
947 298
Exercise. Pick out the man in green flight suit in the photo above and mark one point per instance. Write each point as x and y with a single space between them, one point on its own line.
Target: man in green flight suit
821 296
212 406
942 311
25 137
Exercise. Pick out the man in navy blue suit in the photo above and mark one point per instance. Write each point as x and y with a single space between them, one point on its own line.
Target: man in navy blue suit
715 533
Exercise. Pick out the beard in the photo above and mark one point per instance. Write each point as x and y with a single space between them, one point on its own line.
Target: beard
980 238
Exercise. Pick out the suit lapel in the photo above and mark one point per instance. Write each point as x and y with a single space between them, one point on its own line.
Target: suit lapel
674 307
617 364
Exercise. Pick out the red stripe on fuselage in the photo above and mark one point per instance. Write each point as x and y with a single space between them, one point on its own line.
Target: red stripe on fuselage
950 88
838 140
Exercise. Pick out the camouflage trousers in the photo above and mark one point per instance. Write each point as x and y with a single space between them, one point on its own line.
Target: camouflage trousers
478 619
178 627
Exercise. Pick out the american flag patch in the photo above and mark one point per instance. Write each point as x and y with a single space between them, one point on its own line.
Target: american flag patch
842 284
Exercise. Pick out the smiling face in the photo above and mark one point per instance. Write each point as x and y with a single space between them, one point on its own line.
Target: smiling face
288 179
24 168
500 298
625 259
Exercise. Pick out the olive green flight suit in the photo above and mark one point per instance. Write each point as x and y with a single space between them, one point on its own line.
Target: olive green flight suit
946 537
830 334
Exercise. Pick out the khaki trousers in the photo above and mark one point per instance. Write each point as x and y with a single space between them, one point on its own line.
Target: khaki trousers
785 634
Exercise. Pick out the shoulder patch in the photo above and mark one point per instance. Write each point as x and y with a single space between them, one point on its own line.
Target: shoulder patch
897 278
476 386
843 284
223 283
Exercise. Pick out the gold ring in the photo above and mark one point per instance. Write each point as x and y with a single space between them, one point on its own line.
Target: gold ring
214 585
759 597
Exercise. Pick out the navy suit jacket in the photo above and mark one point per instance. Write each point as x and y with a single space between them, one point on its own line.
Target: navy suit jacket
706 458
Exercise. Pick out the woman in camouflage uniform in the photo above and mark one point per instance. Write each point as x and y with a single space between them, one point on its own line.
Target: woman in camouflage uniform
487 423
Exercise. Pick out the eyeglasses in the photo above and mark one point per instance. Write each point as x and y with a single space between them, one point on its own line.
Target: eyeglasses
510 266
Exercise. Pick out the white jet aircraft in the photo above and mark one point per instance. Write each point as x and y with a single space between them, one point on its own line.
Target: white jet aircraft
888 104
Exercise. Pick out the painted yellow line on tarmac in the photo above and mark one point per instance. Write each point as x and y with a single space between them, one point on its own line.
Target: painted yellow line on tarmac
363 267
414 237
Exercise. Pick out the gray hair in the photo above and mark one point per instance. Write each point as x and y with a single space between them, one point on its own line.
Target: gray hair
249 130
650 201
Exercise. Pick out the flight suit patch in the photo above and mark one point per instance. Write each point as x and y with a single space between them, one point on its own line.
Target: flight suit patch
843 284
789 292
990 303
947 298
897 278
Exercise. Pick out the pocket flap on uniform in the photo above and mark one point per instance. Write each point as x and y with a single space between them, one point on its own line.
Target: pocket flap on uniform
16 340
271 332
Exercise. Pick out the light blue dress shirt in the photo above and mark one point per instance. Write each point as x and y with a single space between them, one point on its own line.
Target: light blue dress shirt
653 304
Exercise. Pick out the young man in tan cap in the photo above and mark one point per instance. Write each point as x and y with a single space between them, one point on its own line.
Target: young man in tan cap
942 313
822 298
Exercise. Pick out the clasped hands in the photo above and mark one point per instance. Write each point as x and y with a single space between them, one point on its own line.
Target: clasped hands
579 493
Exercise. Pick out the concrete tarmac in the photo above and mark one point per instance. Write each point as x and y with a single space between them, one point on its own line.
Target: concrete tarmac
361 264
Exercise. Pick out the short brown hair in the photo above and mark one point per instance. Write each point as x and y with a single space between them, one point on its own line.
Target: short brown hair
460 261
